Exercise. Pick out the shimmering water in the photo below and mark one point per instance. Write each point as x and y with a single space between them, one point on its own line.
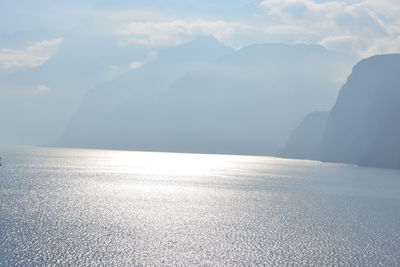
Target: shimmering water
88 207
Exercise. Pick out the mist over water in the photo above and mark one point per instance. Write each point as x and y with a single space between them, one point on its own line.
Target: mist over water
199 85
93 207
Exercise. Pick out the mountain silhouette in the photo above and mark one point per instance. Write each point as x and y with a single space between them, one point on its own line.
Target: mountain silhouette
363 126
305 140
45 97
204 97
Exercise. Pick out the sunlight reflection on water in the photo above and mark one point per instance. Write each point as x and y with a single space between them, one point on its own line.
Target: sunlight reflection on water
93 207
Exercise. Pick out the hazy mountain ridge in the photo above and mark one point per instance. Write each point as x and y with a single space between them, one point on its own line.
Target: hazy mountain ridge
239 102
363 126
305 141
131 89
44 97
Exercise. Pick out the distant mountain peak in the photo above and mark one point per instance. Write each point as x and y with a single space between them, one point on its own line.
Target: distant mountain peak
285 49
379 60
203 42
362 127
204 48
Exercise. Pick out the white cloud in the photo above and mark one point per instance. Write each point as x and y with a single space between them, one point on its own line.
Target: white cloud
288 30
177 31
353 26
358 26
340 43
332 15
32 56
135 65
42 89
34 91
387 8
138 64
127 15
383 46
114 68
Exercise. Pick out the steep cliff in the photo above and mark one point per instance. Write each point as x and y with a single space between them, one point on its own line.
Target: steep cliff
305 140
240 102
364 125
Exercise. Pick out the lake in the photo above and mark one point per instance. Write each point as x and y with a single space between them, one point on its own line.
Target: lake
117 208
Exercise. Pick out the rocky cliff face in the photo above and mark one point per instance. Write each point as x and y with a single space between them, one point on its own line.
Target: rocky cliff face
305 140
364 125
221 101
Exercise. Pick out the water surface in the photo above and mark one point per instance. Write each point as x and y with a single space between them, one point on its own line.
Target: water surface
93 207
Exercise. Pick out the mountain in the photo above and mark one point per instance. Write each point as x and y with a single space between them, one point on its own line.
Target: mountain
363 126
305 140
237 102
42 99
133 89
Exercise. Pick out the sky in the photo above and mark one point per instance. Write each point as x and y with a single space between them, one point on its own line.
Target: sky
32 31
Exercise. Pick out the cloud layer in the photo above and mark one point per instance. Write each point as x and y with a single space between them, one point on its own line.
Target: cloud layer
177 31
31 56
362 27
358 27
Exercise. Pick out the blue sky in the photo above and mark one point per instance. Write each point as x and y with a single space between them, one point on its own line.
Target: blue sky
32 30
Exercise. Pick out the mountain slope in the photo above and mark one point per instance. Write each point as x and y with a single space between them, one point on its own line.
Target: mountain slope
242 102
363 126
43 98
305 140
132 89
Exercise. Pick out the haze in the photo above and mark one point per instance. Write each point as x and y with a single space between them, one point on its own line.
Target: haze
181 76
